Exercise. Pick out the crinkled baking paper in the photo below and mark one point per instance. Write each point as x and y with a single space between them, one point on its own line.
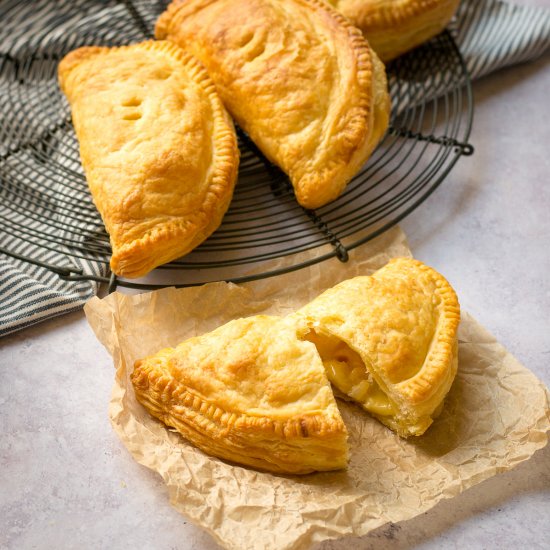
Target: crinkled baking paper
495 416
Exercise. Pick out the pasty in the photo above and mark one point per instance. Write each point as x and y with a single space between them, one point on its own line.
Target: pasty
388 341
250 392
394 27
297 77
157 146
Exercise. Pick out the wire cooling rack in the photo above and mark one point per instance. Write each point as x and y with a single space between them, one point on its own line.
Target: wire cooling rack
46 210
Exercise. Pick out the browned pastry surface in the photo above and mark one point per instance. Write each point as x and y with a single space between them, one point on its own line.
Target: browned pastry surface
157 146
389 341
256 390
250 392
394 27
297 76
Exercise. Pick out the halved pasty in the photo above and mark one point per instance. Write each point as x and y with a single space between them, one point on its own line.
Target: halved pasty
297 77
250 392
388 341
394 27
157 146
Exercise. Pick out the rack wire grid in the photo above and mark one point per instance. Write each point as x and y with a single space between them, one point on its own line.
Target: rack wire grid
46 209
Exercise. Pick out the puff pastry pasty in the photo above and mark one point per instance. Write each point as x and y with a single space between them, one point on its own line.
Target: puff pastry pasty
157 146
389 341
394 27
297 77
250 392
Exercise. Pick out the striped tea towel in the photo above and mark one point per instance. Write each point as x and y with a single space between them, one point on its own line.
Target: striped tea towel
491 34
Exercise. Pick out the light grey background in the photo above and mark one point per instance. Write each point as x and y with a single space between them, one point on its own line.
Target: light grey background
67 482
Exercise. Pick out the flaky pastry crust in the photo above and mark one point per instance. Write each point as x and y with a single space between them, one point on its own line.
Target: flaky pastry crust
394 27
297 77
250 392
158 149
399 327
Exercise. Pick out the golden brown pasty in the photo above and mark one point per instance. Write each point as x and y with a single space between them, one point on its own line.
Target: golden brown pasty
389 341
297 76
250 392
157 146
394 27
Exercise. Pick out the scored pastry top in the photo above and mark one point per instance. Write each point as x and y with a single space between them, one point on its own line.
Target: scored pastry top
157 146
297 77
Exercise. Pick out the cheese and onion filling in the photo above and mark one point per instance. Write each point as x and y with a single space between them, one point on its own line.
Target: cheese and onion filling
346 371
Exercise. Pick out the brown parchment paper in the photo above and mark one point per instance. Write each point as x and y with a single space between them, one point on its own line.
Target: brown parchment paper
495 416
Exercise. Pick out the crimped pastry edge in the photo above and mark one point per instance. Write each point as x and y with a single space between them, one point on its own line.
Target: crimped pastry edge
304 426
397 28
414 395
197 420
395 13
355 134
408 422
436 364
128 260
359 130
415 410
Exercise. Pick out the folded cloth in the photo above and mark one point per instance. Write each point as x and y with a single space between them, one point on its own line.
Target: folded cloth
36 206
492 34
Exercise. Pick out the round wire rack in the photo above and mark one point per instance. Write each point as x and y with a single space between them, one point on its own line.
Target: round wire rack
47 214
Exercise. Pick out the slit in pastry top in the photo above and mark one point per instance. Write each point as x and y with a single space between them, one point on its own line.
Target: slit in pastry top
297 77
158 149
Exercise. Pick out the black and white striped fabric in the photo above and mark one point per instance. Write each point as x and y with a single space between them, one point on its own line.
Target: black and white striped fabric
35 206
491 34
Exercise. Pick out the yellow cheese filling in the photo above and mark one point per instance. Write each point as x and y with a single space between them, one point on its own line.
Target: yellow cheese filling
348 373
